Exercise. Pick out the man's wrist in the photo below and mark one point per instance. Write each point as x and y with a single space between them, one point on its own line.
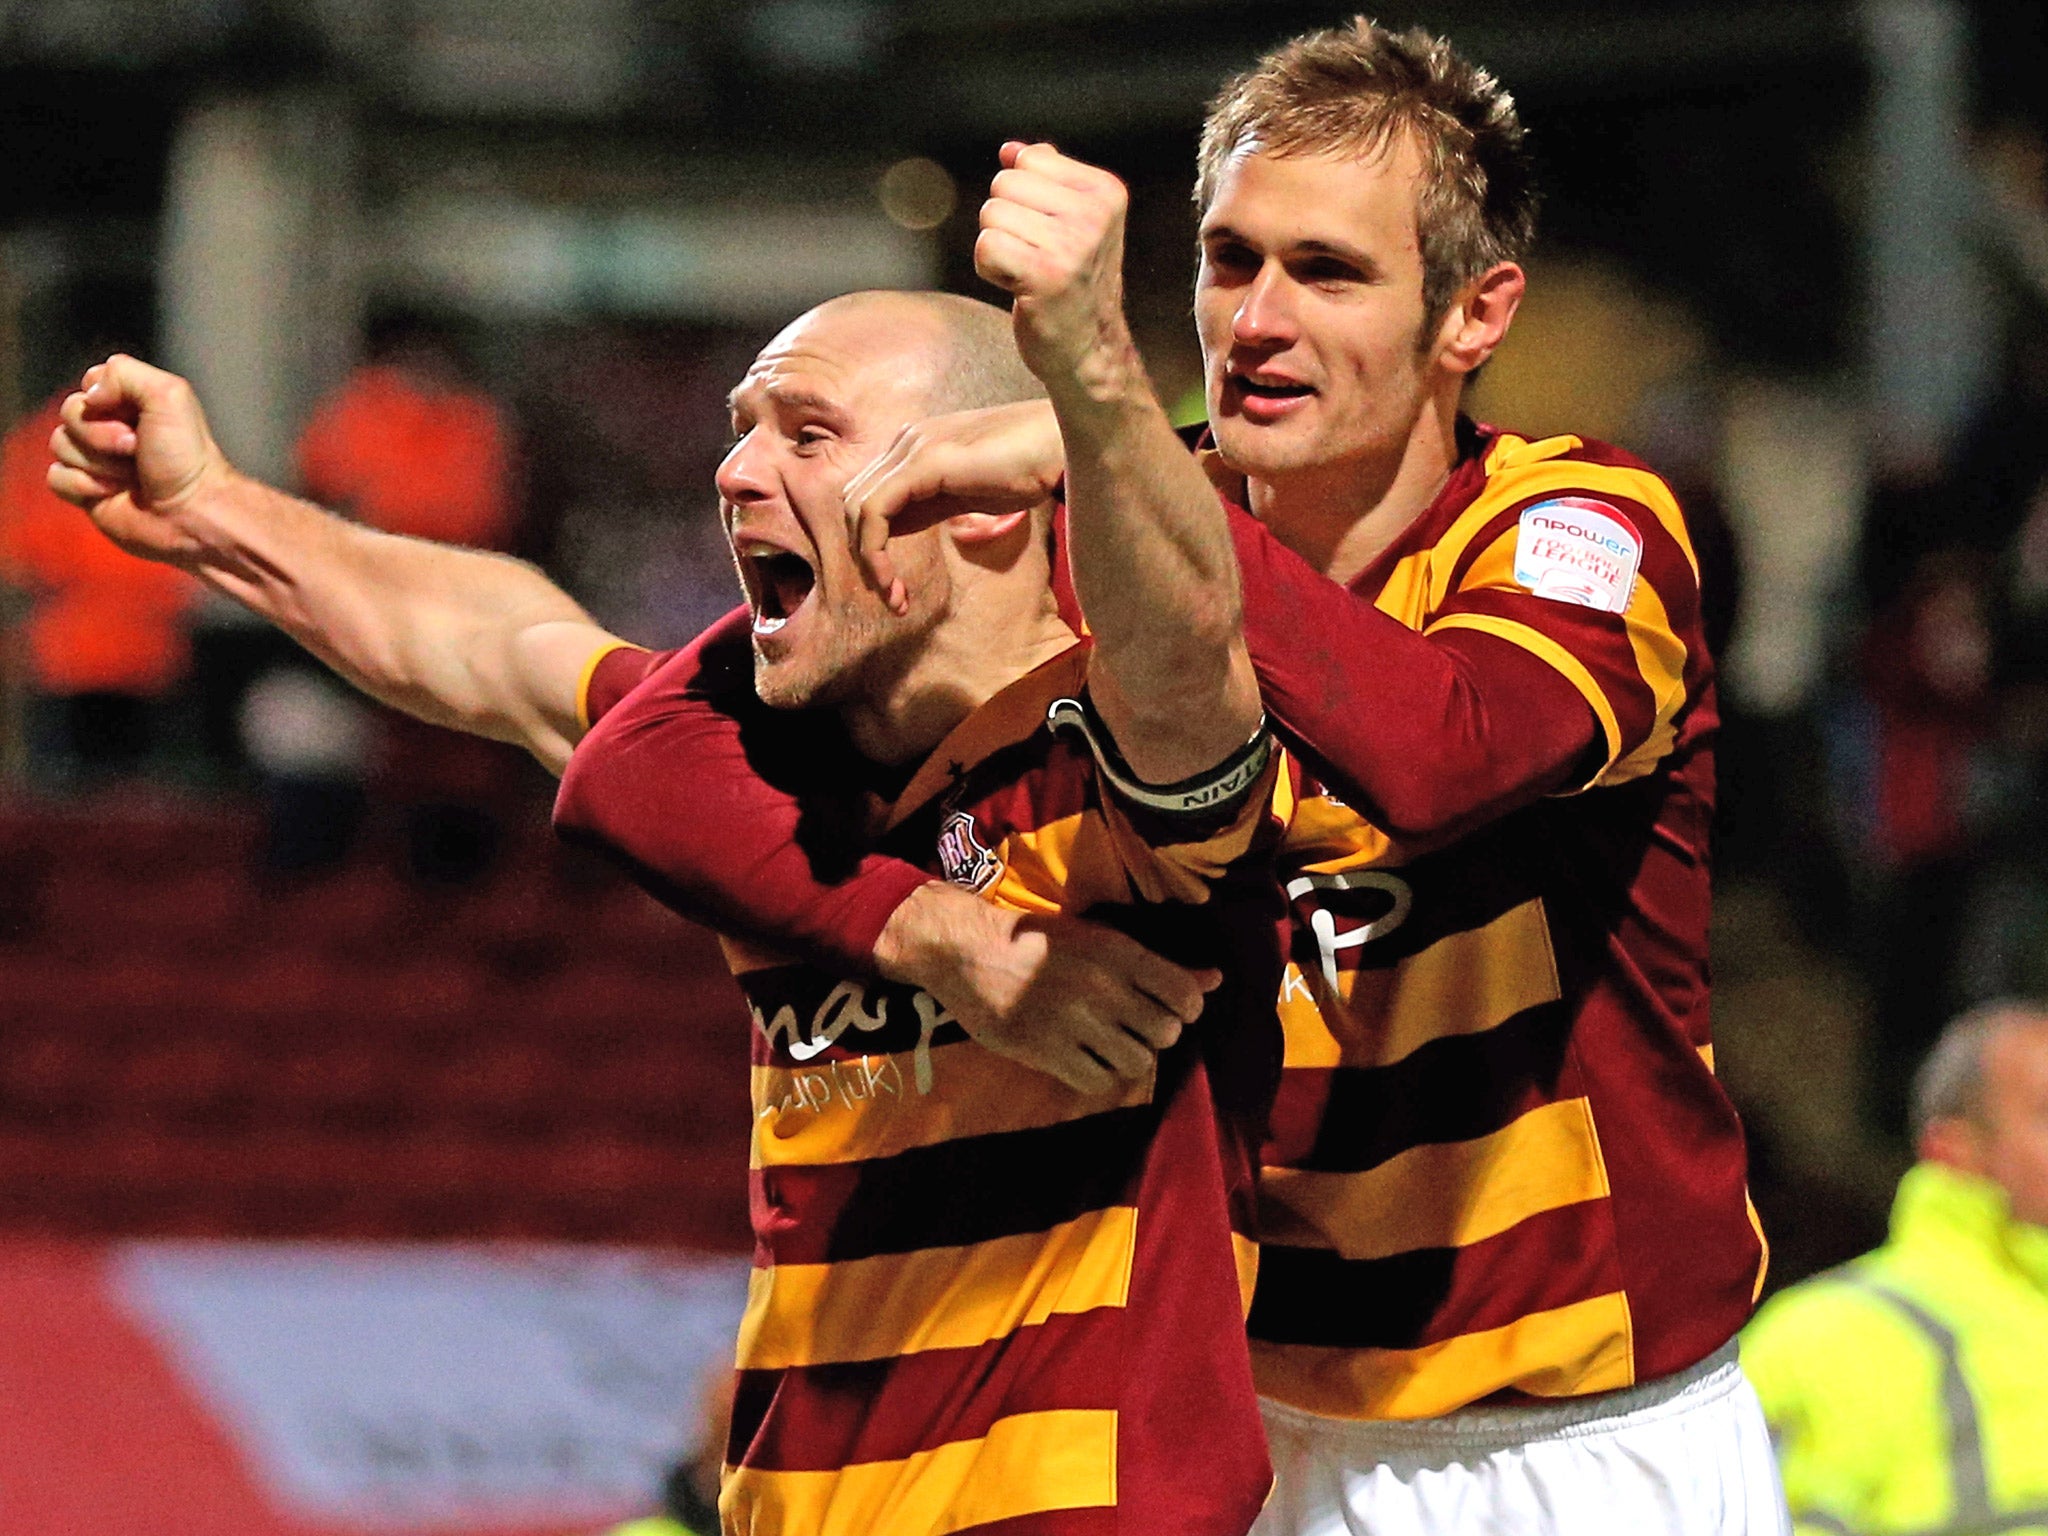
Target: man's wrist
225 513
929 929
217 494
1107 379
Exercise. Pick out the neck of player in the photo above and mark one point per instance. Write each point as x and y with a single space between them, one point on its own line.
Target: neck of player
993 633
1342 516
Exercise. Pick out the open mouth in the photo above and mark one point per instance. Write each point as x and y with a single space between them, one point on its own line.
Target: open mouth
778 583
1278 389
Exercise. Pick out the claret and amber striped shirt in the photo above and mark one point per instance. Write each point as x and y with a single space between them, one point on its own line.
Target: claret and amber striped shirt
1500 1163
982 1302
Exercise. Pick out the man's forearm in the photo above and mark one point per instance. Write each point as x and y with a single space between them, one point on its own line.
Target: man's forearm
454 636
1149 546
1156 578
459 637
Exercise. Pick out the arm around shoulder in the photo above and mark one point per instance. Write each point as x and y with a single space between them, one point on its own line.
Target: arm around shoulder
1428 734
672 782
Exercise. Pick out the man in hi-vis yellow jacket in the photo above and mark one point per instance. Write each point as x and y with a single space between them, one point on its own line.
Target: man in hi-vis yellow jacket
1907 1392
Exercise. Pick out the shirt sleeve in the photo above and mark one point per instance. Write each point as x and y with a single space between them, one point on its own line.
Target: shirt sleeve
1599 582
1427 735
722 808
613 671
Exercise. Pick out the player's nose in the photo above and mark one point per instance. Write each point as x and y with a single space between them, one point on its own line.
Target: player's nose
1264 314
745 475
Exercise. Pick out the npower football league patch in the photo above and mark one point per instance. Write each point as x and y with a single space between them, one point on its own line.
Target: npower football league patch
1573 549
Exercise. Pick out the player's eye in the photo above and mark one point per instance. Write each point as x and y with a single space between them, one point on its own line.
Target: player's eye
1328 269
1233 258
812 436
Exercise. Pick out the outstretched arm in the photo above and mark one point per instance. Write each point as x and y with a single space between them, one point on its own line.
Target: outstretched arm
1148 538
479 642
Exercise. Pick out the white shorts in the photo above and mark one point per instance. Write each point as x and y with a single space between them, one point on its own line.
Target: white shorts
1686 1455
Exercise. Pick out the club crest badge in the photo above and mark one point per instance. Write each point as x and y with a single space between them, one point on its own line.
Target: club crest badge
963 857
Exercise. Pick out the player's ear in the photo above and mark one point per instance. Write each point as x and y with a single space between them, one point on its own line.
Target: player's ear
972 530
996 541
1954 1141
1479 317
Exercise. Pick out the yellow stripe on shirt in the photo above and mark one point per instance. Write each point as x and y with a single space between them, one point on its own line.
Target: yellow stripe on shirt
590 671
1464 984
1512 452
1660 658
1763 1258
1404 597
1063 865
1245 1253
1442 1194
1026 1464
936 1298
869 1107
1588 1346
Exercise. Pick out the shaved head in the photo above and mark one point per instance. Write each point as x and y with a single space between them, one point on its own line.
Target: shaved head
822 401
973 352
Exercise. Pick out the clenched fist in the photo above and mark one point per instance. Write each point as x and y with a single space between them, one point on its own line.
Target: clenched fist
1052 236
134 452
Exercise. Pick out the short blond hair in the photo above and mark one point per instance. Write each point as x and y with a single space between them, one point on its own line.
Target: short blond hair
1352 90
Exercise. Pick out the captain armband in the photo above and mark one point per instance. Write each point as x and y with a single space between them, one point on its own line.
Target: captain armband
1203 794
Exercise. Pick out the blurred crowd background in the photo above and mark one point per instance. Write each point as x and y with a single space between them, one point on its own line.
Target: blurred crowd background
274 963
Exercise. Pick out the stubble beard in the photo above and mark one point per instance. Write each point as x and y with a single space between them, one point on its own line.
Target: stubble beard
1365 445
855 665
1251 451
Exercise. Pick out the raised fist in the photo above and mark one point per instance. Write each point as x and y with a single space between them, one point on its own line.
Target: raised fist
134 452
1052 235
